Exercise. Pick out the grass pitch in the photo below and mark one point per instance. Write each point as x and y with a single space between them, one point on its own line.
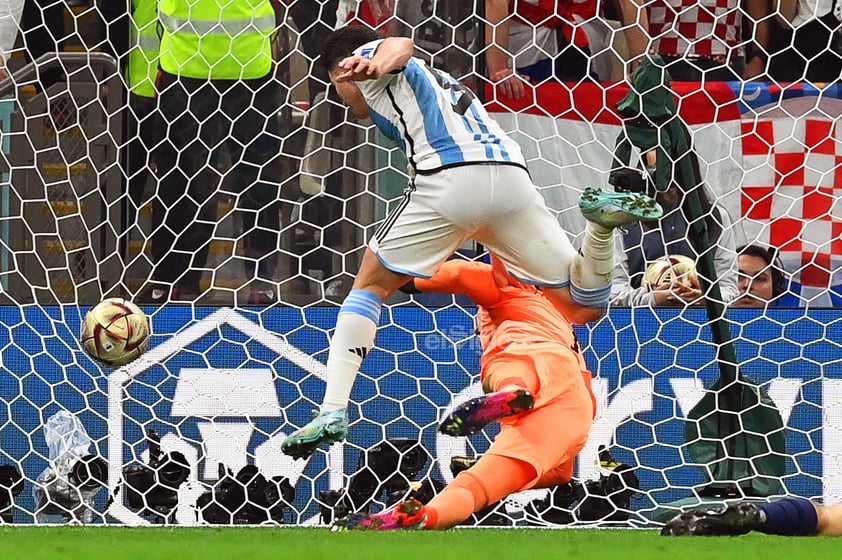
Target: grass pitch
116 543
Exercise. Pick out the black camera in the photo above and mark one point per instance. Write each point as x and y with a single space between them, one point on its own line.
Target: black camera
247 498
607 498
152 490
11 485
63 493
629 179
386 469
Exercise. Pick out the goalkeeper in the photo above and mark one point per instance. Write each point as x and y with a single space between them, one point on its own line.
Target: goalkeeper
535 380
790 517
469 181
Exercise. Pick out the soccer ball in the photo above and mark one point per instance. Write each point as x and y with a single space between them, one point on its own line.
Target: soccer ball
115 332
668 270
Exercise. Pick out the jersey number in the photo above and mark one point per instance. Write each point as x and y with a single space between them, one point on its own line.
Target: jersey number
466 96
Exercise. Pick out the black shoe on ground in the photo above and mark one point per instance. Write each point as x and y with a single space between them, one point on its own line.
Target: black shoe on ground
736 519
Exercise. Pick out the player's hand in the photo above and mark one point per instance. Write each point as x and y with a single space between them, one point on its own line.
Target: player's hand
690 295
677 295
357 68
509 83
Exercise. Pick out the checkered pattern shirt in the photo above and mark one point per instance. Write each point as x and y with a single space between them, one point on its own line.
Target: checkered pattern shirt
691 28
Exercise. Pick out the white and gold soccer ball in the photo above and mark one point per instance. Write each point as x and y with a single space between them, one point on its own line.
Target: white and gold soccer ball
668 270
115 331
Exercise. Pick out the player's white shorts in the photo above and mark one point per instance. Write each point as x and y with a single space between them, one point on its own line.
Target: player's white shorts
496 205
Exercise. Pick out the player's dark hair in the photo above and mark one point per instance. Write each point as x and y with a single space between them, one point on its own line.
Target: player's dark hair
344 41
768 255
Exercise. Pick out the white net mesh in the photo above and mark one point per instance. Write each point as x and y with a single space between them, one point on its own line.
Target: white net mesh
191 432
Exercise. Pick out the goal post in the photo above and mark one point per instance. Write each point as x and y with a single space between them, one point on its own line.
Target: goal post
190 433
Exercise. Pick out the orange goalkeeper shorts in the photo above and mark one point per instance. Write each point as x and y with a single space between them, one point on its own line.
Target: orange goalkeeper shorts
549 436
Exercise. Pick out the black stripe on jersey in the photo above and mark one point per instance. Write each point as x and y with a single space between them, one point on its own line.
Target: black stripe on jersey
410 144
464 163
384 228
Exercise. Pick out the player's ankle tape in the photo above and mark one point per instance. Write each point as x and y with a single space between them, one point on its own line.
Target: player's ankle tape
791 517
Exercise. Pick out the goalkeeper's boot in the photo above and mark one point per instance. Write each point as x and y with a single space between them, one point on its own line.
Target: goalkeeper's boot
474 415
615 209
410 514
737 519
326 427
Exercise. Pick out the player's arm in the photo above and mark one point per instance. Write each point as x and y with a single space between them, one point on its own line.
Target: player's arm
391 55
758 12
635 22
469 278
497 56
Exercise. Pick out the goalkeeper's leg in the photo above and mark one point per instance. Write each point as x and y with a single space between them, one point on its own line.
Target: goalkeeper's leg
490 480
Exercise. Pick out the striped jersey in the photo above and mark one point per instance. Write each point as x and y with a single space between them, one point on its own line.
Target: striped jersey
434 118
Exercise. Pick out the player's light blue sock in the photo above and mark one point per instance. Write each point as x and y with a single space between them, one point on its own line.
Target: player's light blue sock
356 327
790 516
594 297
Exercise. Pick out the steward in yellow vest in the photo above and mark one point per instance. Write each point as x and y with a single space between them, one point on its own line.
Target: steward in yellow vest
217 39
217 94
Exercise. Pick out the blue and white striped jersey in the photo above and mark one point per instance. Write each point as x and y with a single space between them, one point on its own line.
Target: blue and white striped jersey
435 119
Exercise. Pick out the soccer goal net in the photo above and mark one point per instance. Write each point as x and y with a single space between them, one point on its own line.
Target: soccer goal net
696 403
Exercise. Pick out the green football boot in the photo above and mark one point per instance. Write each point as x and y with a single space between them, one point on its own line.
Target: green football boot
325 427
616 209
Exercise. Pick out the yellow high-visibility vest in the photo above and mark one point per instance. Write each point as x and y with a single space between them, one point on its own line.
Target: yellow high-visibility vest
142 69
217 39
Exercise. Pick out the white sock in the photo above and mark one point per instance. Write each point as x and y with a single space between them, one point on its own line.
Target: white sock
594 267
353 338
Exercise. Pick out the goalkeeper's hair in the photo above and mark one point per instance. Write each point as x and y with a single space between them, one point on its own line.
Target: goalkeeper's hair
342 43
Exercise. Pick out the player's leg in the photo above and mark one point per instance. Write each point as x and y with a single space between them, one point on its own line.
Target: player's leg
529 452
535 248
491 479
356 327
413 241
488 481
829 520
510 385
790 516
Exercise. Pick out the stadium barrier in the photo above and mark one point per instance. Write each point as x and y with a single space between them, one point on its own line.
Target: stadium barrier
223 387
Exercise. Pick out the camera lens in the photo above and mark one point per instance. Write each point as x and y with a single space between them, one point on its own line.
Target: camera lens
89 472
173 470
629 180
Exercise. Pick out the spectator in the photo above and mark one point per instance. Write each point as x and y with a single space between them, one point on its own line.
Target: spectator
805 42
10 14
377 14
761 278
216 83
641 244
523 42
703 41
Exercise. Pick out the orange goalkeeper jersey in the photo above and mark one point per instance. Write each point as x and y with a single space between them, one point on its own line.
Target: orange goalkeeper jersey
510 312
